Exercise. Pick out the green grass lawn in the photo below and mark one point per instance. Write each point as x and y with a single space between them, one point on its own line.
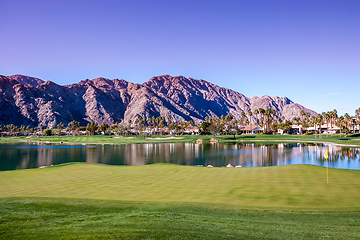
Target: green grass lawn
101 139
165 201
290 187
34 218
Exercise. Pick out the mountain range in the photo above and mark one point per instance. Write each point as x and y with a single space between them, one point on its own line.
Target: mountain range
31 101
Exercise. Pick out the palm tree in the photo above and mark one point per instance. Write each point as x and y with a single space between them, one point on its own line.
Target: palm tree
357 116
352 124
268 118
262 112
233 127
295 120
168 120
256 112
246 122
241 122
222 119
313 123
302 114
153 121
22 130
319 122
274 124
228 119
305 121
103 127
137 125
327 118
307 115
282 119
347 121
182 127
60 126
156 121
341 123
142 123
335 116
250 115
28 129
332 118
92 127
161 122
242 114
74 126
149 121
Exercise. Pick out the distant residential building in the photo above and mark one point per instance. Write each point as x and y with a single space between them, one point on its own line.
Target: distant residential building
324 129
251 129
192 131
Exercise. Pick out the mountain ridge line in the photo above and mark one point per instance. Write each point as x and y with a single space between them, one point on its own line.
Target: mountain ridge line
35 102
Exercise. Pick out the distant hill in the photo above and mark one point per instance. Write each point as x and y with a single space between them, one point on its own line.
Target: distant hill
25 100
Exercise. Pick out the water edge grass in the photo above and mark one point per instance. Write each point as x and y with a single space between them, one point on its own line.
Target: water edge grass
104 139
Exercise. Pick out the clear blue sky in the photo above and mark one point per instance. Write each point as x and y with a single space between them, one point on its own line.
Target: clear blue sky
308 51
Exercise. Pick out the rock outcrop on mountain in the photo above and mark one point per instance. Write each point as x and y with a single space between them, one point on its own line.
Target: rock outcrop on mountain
25 80
31 101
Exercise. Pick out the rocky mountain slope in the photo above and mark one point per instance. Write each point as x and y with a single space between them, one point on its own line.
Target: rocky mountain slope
25 100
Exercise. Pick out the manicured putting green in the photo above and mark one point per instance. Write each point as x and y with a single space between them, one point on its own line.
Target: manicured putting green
283 187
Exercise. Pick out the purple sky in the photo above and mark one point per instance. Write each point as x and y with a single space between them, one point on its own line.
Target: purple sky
308 51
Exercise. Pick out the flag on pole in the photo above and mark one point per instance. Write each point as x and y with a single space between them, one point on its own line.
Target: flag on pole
326 156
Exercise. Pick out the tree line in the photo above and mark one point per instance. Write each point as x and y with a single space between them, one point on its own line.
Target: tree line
266 119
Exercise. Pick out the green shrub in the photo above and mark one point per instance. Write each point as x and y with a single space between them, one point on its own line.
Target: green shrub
48 132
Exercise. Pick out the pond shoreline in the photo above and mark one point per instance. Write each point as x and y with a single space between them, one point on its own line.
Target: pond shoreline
159 140
254 153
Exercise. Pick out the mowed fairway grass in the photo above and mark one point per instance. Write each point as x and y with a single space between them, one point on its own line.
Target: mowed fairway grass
351 140
165 201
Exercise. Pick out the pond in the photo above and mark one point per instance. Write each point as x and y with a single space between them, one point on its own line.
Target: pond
23 156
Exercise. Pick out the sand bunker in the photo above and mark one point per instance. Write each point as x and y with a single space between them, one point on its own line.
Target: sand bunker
124 137
167 138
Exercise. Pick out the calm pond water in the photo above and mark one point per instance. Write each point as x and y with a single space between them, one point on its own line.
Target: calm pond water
22 156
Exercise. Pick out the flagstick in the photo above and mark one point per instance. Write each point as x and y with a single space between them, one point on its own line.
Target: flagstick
327 172
326 156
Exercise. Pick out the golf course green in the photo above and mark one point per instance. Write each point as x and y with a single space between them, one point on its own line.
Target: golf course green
166 201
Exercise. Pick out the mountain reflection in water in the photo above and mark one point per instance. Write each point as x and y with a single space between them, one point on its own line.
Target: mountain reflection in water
22 156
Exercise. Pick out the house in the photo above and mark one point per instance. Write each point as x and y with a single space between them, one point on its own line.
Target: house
324 129
355 129
250 129
294 129
192 131
280 131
